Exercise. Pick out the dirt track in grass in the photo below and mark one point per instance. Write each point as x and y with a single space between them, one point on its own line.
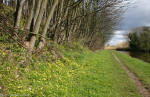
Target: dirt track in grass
139 85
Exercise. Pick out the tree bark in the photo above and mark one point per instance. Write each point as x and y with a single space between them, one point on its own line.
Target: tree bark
50 15
37 25
37 10
30 17
19 13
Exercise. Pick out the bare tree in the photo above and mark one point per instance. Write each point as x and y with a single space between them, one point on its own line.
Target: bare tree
37 25
30 17
67 21
18 13
42 40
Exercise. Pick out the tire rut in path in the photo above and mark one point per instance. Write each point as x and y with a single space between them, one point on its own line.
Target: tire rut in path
139 85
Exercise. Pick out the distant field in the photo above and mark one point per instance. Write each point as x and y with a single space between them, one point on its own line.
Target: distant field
123 45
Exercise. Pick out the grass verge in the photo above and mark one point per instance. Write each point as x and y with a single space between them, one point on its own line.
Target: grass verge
139 67
80 73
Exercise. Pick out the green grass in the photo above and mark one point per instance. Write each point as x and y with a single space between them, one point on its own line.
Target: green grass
80 73
104 77
139 67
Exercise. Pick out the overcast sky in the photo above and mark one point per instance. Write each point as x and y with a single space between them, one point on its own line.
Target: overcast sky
138 14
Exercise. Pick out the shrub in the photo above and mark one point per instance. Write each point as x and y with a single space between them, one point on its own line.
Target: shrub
139 39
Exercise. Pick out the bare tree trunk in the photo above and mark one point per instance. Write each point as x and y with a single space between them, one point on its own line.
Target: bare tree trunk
37 25
37 10
50 15
57 33
19 13
30 17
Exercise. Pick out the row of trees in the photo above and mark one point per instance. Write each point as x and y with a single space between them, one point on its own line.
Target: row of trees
89 22
139 39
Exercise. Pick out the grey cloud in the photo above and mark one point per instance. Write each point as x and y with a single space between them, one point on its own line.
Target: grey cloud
137 15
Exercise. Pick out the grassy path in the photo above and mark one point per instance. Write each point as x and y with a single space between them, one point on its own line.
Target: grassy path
103 77
140 86
140 68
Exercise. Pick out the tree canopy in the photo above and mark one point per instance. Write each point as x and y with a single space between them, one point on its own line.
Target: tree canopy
139 39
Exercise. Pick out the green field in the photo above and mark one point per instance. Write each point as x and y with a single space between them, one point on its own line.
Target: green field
80 73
